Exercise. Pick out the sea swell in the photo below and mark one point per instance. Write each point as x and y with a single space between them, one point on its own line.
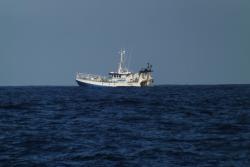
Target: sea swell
157 126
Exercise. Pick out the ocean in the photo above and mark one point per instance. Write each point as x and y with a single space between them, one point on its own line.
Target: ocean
152 126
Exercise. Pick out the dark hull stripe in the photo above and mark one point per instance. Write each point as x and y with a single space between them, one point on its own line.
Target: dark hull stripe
86 84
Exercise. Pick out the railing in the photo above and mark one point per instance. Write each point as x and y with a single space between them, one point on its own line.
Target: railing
91 77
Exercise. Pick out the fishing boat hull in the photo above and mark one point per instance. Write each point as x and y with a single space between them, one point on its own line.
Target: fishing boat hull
82 82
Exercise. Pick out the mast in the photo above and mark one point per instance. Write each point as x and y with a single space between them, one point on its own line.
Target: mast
121 67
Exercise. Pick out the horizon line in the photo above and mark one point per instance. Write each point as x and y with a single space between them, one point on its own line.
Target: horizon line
215 84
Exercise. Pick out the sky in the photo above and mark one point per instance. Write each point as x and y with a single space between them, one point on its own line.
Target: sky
45 42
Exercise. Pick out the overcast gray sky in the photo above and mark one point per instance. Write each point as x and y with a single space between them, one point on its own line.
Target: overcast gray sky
188 41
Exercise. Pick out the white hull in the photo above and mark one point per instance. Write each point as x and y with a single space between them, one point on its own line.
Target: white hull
82 82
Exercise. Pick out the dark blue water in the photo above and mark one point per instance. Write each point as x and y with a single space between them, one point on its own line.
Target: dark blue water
158 126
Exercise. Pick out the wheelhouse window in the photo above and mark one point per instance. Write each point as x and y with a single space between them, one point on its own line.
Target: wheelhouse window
116 75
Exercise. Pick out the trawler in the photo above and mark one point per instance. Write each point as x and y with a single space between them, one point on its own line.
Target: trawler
122 78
